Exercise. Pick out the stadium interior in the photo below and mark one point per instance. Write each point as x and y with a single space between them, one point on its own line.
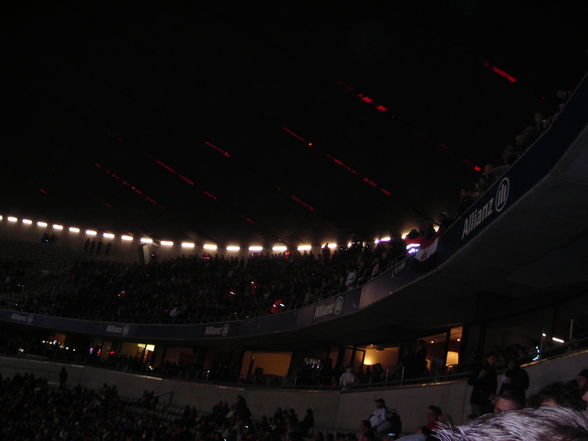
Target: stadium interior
240 223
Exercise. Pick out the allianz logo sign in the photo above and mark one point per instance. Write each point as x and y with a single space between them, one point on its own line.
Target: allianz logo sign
23 318
497 202
223 331
333 307
120 330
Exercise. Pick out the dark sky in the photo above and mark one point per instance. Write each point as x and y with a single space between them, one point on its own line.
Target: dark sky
125 86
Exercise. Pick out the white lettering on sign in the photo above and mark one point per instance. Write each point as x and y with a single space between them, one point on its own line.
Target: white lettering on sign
333 307
478 216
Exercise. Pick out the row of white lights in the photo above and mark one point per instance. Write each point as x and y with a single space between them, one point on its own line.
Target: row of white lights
169 243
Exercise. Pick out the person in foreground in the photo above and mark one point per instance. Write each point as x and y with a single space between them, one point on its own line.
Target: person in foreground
547 423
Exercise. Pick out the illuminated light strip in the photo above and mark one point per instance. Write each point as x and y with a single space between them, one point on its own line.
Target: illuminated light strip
370 182
332 246
126 238
108 235
301 202
189 181
499 71
354 172
304 247
167 243
255 248
188 245
27 221
361 96
233 248
91 233
73 230
557 340
295 135
210 195
146 240
185 179
218 149
279 248
126 184
12 219
167 167
340 163
504 74
210 247
42 224
57 227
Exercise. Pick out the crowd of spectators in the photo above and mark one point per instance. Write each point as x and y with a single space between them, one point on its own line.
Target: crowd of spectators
12 274
511 152
40 411
204 288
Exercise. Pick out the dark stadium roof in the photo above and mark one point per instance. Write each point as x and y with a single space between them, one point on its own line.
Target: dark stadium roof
237 121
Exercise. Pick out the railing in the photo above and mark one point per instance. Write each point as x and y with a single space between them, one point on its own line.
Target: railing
458 372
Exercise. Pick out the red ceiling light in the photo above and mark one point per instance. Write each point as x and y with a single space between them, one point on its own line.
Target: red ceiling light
126 184
301 202
218 149
361 96
185 179
210 195
295 135
499 71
